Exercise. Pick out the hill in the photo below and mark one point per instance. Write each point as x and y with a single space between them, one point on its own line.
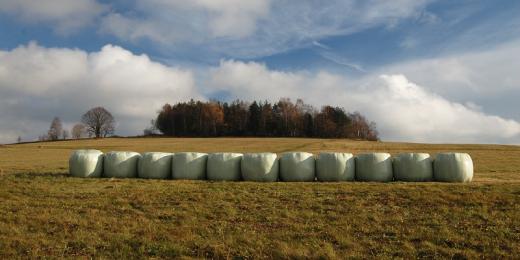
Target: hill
43 212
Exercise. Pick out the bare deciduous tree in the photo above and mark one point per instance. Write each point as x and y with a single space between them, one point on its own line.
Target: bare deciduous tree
78 131
19 139
64 134
98 122
55 130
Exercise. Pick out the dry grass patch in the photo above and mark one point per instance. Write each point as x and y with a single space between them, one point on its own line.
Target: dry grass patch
45 213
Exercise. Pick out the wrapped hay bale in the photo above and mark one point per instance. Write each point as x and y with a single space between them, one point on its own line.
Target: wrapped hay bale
297 166
413 167
260 167
120 164
374 167
155 166
86 163
453 167
189 166
335 167
224 166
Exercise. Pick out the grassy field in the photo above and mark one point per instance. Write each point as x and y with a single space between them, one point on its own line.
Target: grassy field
45 213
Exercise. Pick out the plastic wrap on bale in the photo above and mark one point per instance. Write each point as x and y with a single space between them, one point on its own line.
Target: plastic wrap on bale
335 167
297 167
453 167
262 167
155 165
224 166
86 163
414 167
120 164
375 167
189 166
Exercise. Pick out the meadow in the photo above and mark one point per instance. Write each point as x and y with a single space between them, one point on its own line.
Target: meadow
46 213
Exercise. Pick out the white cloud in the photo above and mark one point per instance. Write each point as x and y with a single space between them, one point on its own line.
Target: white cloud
65 15
408 112
172 21
482 71
403 110
433 100
227 18
487 77
256 27
38 83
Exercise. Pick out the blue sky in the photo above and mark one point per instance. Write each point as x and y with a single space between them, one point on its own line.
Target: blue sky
451 62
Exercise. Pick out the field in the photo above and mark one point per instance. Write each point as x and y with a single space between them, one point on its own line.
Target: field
45 213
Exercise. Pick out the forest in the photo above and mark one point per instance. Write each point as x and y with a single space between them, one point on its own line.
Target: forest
263 119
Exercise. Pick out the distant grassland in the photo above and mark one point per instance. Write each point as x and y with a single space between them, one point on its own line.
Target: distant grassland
43 212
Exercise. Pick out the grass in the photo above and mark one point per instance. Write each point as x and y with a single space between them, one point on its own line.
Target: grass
45 213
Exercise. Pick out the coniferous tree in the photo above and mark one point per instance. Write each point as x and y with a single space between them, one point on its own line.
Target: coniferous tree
254 119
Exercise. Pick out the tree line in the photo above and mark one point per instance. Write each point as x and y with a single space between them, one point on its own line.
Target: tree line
281 119
96 122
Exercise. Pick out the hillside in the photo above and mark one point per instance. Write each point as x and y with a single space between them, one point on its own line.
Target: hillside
46 213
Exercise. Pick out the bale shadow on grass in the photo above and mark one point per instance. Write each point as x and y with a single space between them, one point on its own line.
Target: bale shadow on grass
31 175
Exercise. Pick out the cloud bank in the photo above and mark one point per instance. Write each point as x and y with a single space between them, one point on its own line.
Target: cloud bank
38 83
403 110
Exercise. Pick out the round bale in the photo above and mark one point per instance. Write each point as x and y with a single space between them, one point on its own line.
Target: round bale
413 167
121 164
297 166
335 167
224 166
260 167
453 167
374 167
155 166
86 163
189 166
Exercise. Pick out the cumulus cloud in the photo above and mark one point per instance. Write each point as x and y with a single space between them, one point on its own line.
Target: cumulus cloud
486 77
38 83
64 15
403 110
256 27
481 73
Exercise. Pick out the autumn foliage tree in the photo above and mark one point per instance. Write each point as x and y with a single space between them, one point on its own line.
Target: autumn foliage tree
281 119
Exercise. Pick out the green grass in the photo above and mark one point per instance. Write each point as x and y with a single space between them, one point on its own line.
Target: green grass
45 213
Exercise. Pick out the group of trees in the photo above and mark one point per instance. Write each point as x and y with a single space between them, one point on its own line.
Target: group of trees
238 118
281 119
97 122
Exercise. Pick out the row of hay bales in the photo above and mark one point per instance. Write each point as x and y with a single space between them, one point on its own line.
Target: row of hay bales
268 167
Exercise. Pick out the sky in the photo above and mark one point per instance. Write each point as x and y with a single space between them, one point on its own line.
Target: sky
424 70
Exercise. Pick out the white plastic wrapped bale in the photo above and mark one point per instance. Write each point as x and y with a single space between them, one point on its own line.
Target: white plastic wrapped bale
189 166
453 167
335 167
413 167
86 163
224 166
120 164
297 166
260 167
374 167
155 166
